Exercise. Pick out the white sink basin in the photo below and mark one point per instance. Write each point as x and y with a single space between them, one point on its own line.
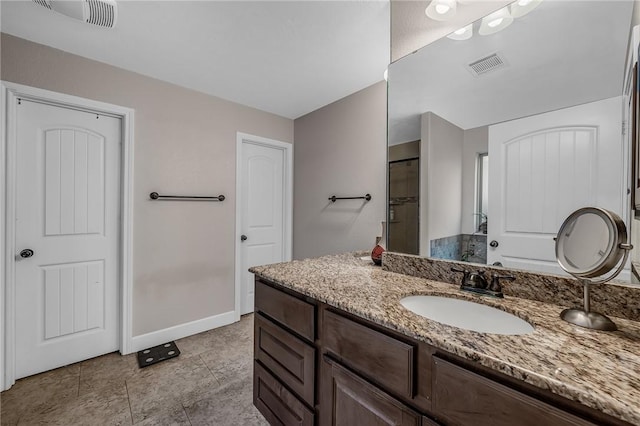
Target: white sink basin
468 315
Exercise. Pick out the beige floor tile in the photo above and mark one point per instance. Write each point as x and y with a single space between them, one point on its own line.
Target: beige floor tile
242 329
176 418
106 371
108 406
233 334
209 383
229 405
196 344
164 387
230 362
37 392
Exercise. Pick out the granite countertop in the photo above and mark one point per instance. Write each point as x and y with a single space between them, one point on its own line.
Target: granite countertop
598 369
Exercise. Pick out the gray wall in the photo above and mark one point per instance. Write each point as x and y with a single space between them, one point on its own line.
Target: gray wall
340 149
185 141
440 180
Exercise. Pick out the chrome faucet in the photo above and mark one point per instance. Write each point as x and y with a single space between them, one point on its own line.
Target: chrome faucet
476 282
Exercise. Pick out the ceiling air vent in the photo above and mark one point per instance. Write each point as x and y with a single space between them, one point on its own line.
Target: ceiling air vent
102 13
44 3
486 64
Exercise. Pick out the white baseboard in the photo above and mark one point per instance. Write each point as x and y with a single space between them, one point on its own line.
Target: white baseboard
155 338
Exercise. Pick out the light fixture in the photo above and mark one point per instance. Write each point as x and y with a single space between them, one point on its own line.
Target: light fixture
496 21
522 7
441 10
463 33
386 75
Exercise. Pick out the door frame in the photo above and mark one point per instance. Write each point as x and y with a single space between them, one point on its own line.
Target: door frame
287 240
9 95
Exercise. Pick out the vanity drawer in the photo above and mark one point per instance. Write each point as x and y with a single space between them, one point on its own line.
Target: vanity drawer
276 403
385 360
293 313
462 397
289 358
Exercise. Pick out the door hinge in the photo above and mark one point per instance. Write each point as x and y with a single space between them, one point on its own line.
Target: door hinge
624 127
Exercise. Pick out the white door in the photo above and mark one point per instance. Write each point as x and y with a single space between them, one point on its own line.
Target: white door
262 215
67 204
541 169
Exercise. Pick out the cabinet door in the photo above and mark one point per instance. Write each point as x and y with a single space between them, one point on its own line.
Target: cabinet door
465 398
351 401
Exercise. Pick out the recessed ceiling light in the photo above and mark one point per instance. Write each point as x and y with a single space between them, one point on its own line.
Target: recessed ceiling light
496 21
464 33
522 7
441 10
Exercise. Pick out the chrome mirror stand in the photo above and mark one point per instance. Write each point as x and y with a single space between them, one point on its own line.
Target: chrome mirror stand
585 317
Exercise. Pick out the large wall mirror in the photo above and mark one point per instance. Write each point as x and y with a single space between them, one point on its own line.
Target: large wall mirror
494 139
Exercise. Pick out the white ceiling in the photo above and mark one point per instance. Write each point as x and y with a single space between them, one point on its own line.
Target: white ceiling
563 53
284 57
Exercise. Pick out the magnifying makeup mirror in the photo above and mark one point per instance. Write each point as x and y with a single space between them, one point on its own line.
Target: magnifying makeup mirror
590 244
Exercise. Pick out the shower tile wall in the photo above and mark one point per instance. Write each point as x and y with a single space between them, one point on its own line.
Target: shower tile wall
476 247
465 247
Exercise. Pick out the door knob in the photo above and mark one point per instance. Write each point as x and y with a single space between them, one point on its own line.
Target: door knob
243 238
494 244
26 253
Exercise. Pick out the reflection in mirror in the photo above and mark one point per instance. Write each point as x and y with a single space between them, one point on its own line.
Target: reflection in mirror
544 98
589 245
587 241
404 185
482 194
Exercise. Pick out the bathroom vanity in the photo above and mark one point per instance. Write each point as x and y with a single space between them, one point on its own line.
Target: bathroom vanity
334 346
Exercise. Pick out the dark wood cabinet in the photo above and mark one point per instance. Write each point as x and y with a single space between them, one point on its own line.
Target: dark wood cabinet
284 380
348 400
276 403
292 312
317 365
371 353
462 397
288 357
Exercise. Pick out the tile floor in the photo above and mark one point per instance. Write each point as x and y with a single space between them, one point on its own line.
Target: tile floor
210 383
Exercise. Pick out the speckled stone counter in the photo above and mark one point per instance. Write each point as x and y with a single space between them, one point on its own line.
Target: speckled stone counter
614 299
598 369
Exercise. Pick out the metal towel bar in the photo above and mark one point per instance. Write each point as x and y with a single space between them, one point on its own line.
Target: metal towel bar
156 196
333 198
